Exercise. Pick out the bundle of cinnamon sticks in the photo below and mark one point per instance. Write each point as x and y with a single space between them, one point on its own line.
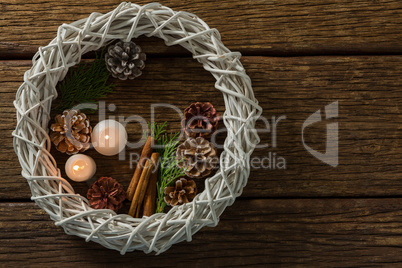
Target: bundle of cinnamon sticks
142 189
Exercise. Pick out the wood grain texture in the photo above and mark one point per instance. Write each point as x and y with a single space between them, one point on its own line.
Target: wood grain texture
299 232
309 215
368 89
257 27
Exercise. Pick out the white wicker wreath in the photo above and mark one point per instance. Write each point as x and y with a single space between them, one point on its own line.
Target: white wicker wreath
55 195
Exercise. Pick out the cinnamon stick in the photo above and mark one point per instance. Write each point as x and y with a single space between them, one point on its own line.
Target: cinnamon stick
154 162
150 195
142 185
145 154
144 178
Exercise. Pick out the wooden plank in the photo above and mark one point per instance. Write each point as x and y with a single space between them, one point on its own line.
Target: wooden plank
368 90
261 26
308 232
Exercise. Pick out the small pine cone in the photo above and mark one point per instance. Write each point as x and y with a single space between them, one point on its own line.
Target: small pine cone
198 157
183 192
106 193
71 133
200 120
125 60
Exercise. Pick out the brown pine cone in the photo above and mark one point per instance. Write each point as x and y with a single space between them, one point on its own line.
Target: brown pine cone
106 193
198 157
200 120
71 133
183 192
125 60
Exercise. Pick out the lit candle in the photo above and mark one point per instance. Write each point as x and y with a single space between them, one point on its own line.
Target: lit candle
109 137
80 167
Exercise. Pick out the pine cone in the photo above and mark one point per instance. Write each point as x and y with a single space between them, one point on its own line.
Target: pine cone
184 191
106 193
200 120
125 60
198 157
71 132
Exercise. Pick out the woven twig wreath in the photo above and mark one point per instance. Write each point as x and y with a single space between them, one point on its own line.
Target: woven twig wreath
32 144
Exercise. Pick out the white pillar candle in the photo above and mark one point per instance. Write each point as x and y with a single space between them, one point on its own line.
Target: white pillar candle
109 137
80 167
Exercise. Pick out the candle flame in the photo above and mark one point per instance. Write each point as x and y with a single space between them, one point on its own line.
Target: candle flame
107 137
76 167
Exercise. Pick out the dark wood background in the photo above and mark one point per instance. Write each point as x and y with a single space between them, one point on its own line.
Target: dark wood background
301 56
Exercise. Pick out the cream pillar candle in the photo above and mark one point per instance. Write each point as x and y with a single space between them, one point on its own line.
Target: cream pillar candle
109 137
80 167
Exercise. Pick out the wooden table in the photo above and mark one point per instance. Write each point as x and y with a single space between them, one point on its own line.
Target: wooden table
301 56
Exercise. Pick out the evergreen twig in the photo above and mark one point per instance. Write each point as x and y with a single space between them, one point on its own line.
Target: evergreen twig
168 169
85 83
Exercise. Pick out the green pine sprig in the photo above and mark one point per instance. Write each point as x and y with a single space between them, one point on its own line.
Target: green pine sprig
168 169
85 83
